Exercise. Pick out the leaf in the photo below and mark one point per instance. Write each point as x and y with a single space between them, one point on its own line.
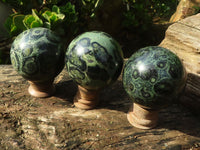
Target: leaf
28 20
14 24
47 15
68 8
18 21
54 17
35 24
35 15
13 29
71 15
56 9
61 16
32 21
8 23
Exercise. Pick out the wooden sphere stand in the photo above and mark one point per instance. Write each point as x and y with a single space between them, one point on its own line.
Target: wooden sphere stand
86 99
142 118
41 89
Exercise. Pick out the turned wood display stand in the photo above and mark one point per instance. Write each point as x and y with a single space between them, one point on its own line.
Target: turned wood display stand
41 89
142 118
86 99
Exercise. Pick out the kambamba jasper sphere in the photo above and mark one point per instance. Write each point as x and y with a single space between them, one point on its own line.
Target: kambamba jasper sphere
37 54
94 60
154 77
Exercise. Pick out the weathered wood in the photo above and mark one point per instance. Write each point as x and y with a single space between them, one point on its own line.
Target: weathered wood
55 124
183 38
8 74
184 9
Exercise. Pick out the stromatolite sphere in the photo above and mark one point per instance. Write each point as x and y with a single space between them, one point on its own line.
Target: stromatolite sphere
37 54
94 60
153 77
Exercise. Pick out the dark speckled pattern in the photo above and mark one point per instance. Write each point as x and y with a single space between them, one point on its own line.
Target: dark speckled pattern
94 60
154 77
37 54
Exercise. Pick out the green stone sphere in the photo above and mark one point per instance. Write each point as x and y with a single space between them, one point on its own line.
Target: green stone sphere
94 60
154 77
37 54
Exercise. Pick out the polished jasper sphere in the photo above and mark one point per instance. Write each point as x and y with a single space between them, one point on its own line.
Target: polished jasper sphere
94 60
37 54
153 77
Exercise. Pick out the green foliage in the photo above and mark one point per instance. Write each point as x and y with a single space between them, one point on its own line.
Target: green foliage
90 7
137 14
14 24
69 16
63 16
140 13
52 18
24 6
32 20
163 8
70 13
197 9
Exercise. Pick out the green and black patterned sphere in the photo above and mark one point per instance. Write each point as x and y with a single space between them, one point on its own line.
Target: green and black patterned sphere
94 60
154 77
37 54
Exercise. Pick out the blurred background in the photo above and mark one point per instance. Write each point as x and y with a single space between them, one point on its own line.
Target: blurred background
133 23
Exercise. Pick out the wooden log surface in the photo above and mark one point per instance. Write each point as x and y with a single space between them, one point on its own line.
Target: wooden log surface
183 38
55 124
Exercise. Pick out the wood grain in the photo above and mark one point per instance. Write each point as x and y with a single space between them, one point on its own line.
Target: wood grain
183 38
